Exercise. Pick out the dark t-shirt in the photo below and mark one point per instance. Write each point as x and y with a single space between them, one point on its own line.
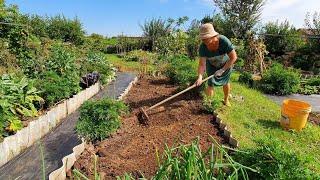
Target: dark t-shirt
219 57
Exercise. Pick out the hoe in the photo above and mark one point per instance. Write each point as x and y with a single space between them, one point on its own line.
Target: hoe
142 114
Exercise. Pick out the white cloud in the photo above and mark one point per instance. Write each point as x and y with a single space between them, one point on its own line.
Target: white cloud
292 10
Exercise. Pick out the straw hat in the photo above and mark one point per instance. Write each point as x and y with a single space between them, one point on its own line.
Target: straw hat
207 31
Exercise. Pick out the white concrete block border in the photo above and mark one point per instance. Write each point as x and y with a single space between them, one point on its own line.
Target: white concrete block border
24 138
225 131
69 160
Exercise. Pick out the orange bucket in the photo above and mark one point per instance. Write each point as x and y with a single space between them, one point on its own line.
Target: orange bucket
294 114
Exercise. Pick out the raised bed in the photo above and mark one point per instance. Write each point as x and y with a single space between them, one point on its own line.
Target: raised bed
133 147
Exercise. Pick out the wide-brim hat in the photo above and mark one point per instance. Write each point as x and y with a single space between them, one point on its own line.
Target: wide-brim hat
207 31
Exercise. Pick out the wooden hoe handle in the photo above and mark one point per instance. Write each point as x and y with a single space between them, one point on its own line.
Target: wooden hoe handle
169 98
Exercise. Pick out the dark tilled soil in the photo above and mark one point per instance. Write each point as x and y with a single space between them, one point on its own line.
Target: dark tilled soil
132 148
314 117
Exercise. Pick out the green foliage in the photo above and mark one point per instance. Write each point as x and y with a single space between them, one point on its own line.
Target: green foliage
240 16
97 62
18 99
61 28
15 124
8 62
56 87
246 78
281 38
274 161
182 70
39 25
313 28
193 41
308 90
211 104
173 44
310 86
306 59
98 119
95 42
280 81
315 81
155 28
241 52
140 56
191 162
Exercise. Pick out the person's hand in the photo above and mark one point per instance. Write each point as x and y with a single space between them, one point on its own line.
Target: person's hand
219 73
199 81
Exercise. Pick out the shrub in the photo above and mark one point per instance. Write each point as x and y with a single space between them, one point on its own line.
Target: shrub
182 70
98 119
211 104
97 62
246 78
288 40
174 43
62 28
140 56
18 99
273 161
280 81
55 88
315 81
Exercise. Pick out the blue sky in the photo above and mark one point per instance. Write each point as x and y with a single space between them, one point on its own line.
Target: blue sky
113 17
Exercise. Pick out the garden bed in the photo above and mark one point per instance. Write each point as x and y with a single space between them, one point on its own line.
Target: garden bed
132 149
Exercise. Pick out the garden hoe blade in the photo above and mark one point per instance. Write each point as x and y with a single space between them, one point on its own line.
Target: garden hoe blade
143 117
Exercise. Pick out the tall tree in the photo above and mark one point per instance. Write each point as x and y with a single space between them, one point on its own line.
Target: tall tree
155 28
313 26
240 15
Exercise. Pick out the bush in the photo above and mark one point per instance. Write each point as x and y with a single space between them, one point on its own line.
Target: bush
18 99
55 87
182 70
211 104
288 40
174 43
306 59
280 81
98 119
140 56
273 161
97 62
62 28
246 78
315 81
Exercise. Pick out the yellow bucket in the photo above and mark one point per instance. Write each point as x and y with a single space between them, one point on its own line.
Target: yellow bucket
294 114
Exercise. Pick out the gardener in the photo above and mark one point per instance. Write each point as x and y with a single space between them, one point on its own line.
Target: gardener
217 56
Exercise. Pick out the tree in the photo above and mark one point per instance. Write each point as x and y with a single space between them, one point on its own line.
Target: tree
155 28
241 15
220 24
281 37
313 26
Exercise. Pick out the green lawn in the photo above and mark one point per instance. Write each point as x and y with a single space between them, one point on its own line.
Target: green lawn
128 66
257 117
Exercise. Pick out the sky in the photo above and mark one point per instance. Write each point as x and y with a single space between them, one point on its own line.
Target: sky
115 17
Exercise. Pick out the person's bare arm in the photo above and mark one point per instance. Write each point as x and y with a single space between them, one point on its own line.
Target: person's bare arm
232 59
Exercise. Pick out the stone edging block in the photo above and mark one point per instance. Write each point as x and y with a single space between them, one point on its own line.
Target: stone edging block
226 133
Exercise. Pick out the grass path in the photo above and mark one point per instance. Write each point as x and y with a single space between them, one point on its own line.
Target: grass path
253 116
